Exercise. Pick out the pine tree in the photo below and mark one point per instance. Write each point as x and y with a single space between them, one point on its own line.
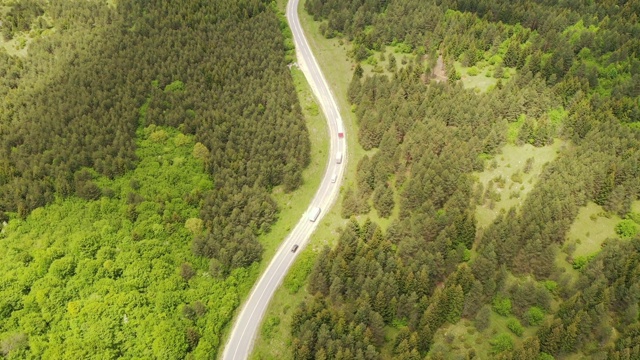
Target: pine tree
392 66
383 200
455 299
353 92
483 318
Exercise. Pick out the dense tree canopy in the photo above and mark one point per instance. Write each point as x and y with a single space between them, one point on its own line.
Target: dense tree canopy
182 66
115 277
125 237
431 267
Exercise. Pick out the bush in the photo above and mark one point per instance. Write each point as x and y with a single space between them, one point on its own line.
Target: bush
403 48
534 316
627 229
371 60
297 276
501 343
473 71
175 86
517 177
502 305
269 325
528 165
515 327
579 262
551 285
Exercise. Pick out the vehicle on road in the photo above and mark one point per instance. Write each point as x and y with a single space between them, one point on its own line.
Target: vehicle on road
339 157
334 178
313 214
294 248
340 129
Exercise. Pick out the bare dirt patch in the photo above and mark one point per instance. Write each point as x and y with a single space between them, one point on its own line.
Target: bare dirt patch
439 73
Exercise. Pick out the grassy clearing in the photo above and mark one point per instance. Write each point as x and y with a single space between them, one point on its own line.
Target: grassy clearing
460 338
450 340
19 45
589 230
481 76
282 5
390 332
378 62
16 46
505 184
455 341
591 227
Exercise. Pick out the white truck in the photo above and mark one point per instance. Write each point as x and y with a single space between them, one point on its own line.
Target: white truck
339 157
340 129
313 213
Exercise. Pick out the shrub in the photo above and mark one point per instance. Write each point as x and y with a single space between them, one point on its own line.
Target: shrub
501 343
515 327
551 285
371 60
627 229
528 165
579 262
502 305
269 325
534 315
517 177
296 277
174 86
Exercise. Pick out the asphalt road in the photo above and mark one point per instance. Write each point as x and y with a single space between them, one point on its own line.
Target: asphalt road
248 321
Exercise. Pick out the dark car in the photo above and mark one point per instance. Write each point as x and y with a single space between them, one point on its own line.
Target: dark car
294 248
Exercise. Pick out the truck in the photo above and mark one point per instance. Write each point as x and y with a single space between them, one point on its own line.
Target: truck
340 129
339 157
313 214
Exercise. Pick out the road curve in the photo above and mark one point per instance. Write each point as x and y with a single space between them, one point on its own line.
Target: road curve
250 317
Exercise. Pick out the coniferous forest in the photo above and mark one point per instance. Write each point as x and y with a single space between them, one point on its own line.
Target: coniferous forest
139 144
434 280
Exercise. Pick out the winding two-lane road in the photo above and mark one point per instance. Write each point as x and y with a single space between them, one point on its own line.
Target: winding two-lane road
248 321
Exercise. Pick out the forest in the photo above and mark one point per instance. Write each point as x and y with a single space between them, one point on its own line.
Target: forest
139 145
435 284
